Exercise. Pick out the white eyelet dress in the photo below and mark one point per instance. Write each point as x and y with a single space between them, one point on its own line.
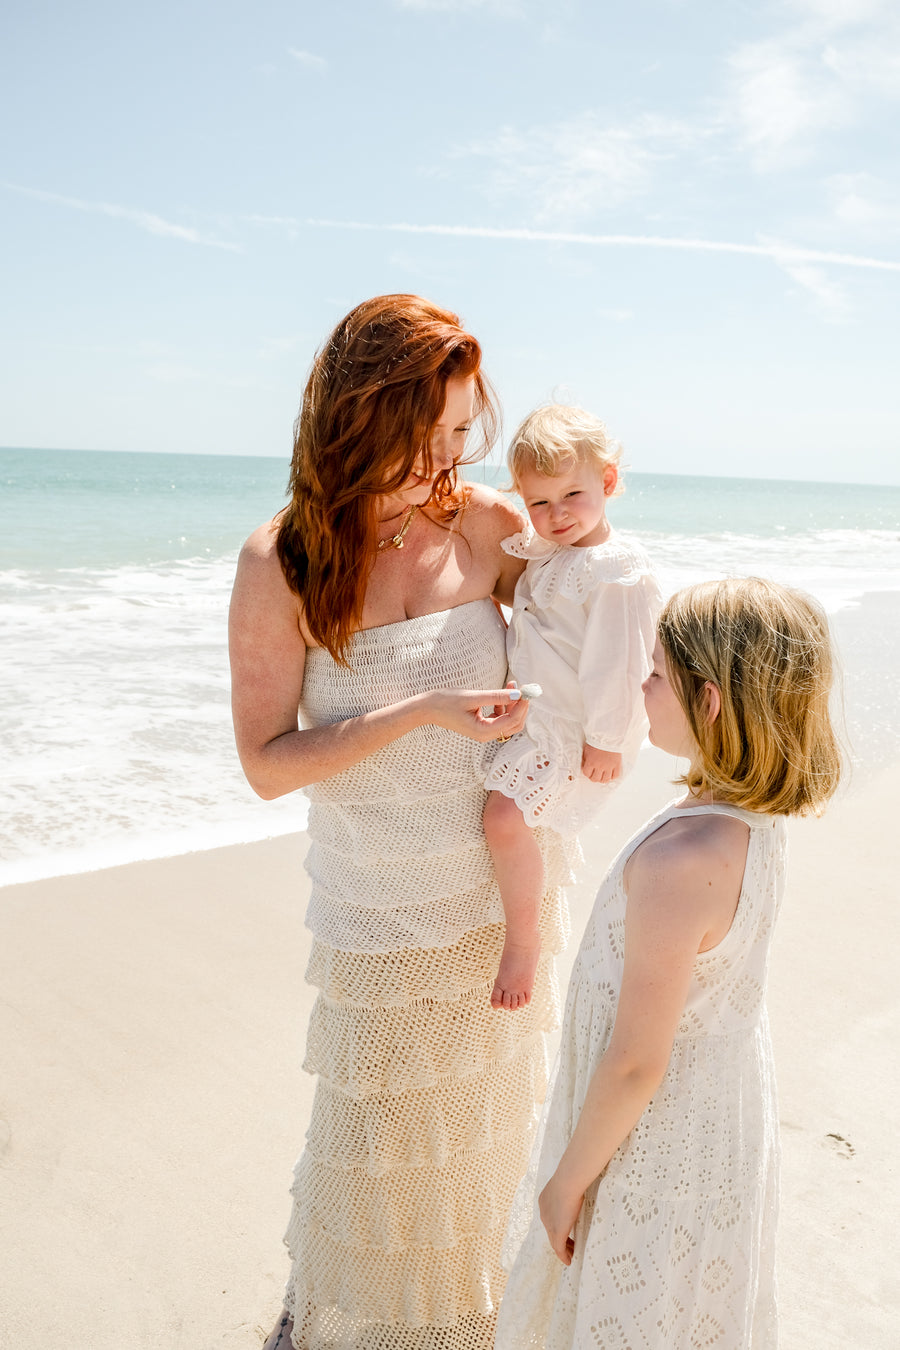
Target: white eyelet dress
674 1247
427 1098
583 627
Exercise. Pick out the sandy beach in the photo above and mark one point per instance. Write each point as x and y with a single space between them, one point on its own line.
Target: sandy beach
152 1026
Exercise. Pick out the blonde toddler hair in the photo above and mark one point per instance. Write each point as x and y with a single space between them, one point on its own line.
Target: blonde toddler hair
767 650
555 436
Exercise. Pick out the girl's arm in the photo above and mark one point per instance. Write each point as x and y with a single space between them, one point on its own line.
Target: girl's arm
683 886
268 655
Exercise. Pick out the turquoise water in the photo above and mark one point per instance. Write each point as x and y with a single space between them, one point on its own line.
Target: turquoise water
115 574
109 508
85 508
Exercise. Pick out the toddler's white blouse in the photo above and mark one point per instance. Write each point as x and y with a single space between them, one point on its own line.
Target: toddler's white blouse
583 627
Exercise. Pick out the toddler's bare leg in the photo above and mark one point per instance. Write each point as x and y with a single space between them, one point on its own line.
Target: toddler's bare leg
519 869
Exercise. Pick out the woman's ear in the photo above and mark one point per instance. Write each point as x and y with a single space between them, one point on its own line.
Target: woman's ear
713 701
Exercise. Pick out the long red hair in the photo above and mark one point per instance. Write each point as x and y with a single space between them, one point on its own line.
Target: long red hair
374 394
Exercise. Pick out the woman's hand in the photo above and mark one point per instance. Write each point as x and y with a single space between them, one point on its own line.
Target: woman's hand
559 1210
462 710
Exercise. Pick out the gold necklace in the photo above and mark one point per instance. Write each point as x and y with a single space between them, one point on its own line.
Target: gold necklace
396 540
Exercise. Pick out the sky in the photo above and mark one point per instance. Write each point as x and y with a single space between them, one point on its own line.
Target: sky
681 214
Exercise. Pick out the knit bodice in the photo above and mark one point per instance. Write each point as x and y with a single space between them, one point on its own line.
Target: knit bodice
366 819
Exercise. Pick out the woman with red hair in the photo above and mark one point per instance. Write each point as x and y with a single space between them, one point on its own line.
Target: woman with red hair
366 646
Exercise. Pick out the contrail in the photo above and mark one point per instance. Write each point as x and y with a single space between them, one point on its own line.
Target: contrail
145 220
771 249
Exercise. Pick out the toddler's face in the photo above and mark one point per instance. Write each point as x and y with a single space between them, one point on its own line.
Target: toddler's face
569 507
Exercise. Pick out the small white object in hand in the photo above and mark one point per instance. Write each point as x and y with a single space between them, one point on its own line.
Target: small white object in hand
531 690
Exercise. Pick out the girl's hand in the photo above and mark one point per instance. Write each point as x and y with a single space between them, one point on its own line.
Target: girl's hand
559 1210
601 766
462 710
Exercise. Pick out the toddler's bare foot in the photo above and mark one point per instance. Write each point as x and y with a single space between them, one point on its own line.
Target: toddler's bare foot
280 1336
515 978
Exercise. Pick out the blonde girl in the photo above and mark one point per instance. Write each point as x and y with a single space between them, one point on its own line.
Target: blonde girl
657 1177
582 629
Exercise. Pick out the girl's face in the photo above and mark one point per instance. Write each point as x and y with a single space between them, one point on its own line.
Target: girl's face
569 507
448 443
668 724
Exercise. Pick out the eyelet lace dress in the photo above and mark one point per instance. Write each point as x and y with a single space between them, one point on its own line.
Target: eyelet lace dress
427 1098
583 627
674 1247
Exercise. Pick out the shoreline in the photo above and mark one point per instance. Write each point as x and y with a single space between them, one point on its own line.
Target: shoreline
156 848
867 633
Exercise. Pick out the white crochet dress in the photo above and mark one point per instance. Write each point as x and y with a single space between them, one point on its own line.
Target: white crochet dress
674 1248
583 627
427 1098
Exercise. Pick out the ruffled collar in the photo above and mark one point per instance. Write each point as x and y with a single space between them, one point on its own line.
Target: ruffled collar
527 544
571 572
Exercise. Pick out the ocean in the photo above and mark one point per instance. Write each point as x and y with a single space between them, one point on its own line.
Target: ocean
115 574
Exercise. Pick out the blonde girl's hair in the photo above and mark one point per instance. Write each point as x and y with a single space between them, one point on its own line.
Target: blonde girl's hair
767 650
555 436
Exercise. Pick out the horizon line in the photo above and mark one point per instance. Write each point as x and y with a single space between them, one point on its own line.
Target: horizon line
474 464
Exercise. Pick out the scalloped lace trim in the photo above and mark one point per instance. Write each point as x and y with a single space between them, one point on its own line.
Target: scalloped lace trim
573 573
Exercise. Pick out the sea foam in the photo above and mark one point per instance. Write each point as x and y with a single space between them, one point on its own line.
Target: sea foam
115 703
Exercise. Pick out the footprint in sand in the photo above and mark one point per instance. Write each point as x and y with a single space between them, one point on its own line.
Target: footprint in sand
842 1147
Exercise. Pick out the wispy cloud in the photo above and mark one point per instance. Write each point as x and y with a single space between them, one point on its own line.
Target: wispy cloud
308 59
574 168
868 65
829 297
814 76
831 14
867 204
782 101
144 220
780 253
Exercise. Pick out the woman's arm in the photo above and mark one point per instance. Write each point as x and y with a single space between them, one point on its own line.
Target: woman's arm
682 883
268 655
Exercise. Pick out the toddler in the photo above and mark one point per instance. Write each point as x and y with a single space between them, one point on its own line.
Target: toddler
582 629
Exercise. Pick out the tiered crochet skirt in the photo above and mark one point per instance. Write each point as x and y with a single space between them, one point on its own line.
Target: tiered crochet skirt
427 1097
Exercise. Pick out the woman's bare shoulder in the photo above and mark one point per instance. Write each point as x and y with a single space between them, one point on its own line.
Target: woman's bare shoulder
261 546
491 512
261 592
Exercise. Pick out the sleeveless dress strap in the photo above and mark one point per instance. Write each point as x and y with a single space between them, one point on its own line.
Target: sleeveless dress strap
755 819
672 810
